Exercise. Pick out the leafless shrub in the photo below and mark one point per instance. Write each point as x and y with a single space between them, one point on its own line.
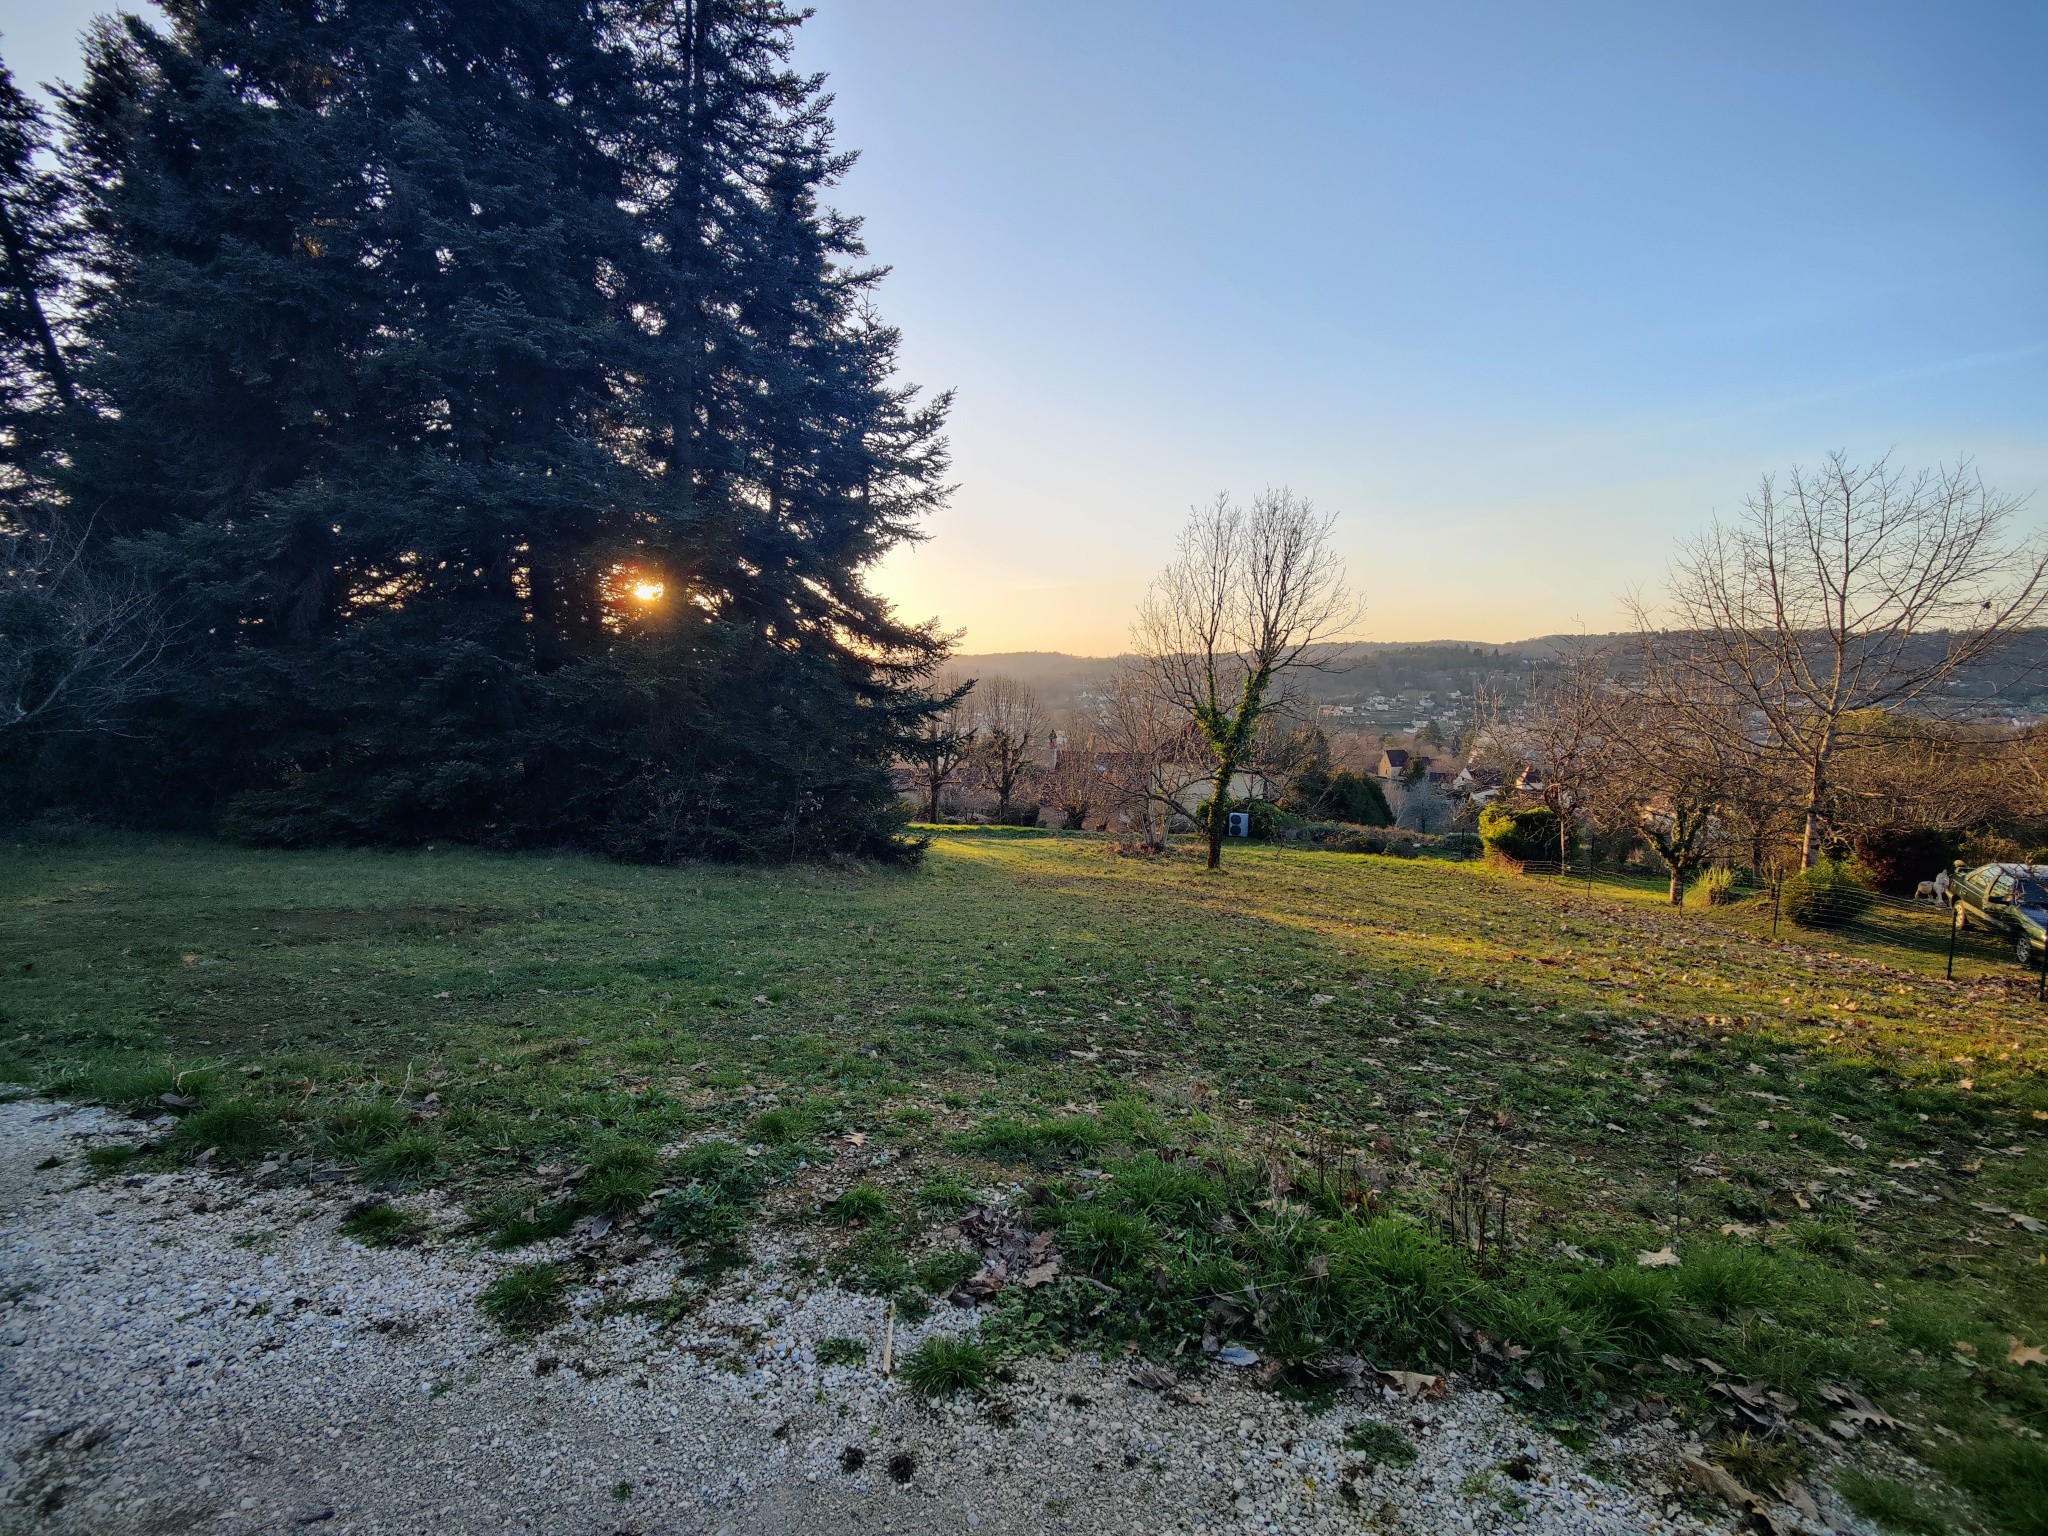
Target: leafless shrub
78 644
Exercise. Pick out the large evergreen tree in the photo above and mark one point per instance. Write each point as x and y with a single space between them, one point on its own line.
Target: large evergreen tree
35 369
492 388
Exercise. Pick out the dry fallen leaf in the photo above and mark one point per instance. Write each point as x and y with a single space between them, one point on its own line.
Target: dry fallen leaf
1413 1384
2025 1354
1796 1495
2029 1223
1716 1481
1662 1258
1857 1412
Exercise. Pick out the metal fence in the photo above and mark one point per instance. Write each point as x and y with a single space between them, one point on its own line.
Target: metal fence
1922 935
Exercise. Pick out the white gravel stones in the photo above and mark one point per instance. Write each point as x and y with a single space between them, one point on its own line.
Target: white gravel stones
186 1353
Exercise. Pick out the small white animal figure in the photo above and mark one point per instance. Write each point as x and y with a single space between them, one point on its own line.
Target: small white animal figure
1941 889
1927 890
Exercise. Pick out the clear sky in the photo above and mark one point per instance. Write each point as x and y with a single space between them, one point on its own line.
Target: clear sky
1521 292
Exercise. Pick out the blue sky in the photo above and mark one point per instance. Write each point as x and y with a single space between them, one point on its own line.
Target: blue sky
1521 292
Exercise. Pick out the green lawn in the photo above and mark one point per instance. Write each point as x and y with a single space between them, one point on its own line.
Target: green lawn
1304 1079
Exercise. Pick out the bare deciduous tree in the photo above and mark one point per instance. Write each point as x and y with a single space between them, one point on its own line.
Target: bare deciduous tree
944 741
1419 806
1670 771
1912 771
1252 595
1843 589
1074 781
1760 804
1008 722
1145 747
77 645
1562 738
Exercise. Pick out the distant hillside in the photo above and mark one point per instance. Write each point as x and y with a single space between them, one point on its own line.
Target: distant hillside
1391 686
1396 684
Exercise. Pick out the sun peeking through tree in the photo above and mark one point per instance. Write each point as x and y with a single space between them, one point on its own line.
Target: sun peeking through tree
506 411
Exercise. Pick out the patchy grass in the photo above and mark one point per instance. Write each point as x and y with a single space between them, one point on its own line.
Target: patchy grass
1294 1081
1380 1444
527 1299
940 1272
1760 1462
620 1180
379 1224
865 1202
940 1367
235 1130
840 1350
409 1156
1892 1504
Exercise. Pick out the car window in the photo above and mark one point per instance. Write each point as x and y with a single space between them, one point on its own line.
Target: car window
2001 887
2030 893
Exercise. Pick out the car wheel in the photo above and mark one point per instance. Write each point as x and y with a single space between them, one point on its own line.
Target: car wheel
2023 950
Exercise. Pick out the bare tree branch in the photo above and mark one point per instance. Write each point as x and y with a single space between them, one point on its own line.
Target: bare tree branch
943 741
77 644
1008 720
1839 590
1146 744
1561 741
1252 595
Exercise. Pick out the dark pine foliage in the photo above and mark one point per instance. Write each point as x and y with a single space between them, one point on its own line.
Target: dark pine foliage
36 241
489 387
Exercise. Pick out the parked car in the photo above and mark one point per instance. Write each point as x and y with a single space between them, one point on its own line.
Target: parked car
2010 899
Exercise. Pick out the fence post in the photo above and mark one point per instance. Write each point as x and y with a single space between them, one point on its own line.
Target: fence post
1955 921
2041 986
1777 900
1589 868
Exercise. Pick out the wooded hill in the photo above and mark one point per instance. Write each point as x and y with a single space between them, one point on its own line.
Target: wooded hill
2011 684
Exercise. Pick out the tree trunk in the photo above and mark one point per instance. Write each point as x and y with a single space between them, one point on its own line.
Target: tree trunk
1219 813
32 303
1677 886
1809 842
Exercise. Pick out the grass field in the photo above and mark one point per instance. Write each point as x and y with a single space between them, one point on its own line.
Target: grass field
1423 1112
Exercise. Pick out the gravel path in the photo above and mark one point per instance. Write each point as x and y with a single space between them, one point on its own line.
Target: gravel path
189 1353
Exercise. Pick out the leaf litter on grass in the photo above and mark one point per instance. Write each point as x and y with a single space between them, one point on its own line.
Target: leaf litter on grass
1314 1002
